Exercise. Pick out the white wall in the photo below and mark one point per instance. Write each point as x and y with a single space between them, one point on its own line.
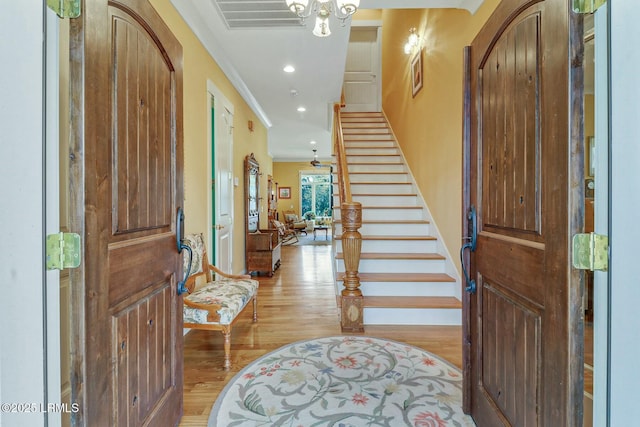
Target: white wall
21 211
625 199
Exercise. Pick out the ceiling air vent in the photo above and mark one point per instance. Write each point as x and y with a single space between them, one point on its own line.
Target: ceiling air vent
246 14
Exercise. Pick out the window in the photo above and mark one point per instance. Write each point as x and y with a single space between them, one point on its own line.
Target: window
315 191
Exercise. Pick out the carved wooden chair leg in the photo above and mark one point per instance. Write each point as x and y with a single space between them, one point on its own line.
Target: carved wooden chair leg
226 332
255 308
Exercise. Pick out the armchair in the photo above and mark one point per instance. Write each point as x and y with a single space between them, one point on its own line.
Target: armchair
293 222
287 235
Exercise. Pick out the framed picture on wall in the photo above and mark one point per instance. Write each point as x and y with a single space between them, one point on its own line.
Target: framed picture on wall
284 192
416 73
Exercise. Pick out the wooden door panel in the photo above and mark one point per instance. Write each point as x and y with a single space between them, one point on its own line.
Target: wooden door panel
508 85
127 260
142 263
497 249
127 76
143 372
524 336
142 95
511 343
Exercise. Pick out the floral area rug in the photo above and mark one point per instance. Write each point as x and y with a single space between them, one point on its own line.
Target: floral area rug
343 381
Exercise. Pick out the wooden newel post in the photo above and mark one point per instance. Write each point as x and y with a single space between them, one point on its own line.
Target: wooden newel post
352 302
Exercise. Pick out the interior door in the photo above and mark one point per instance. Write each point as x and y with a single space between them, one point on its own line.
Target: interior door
362 70
223 183
524 352
126 179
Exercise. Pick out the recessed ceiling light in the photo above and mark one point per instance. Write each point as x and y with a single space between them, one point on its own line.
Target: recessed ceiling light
302 109
312 142
289 69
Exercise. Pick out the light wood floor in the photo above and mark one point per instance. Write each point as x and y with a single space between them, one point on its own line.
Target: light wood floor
297 303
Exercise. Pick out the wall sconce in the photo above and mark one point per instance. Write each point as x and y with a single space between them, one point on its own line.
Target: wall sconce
412 42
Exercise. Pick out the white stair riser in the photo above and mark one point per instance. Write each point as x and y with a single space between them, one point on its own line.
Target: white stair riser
399 200
368 115
401 246
373 158
393 229
412 316
362 144
366 131
400 188
369 141
348 121
348 138
378 177
361 125
382 167
384 154
408 289
396 265
373 214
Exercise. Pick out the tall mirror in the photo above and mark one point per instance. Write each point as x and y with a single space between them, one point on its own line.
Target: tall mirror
252 189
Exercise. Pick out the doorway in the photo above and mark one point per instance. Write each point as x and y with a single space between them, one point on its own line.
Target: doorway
220 194
596 214
363 72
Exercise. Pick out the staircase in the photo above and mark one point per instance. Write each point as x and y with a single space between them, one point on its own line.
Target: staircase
405 277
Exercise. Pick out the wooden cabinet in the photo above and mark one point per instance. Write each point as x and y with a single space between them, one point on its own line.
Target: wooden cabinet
263 252
262 247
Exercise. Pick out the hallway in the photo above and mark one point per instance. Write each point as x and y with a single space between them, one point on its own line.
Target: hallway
297 303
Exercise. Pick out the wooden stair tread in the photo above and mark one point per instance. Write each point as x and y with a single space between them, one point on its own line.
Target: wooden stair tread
392 207
377 173
380 194
395 255
387 221
378 183
411 302
373 147
385 237
372 139
386 207
401 277
373 163
356 154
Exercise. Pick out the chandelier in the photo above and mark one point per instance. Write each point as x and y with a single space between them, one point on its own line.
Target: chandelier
342 9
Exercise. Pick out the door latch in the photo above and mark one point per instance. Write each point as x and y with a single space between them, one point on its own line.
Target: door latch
63 251
591 252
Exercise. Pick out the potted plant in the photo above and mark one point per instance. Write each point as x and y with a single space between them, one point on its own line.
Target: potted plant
310 217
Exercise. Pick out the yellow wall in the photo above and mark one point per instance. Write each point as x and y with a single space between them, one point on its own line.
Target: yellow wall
287 174
429 126
368 15
198 67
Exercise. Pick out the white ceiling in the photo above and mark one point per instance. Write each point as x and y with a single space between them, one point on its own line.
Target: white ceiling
260 37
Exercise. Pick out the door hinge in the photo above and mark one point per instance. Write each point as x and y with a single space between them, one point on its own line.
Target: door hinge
63 251
591 252
65 8
587 6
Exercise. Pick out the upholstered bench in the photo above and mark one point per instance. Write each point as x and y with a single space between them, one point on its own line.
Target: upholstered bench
215 303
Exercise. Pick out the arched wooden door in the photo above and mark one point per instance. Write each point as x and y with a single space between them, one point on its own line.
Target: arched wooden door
126 180
523 336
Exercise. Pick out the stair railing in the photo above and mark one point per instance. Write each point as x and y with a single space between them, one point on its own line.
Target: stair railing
351 319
